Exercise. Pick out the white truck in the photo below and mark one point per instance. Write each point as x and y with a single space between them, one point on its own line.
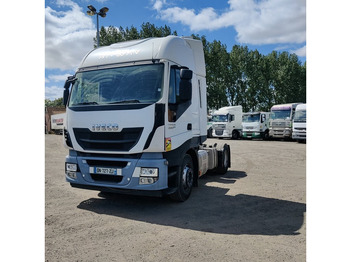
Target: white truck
299 123
57 121
137 119
227 122
256 125
281 120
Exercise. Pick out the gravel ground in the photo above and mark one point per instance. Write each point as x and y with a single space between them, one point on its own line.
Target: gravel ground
255 212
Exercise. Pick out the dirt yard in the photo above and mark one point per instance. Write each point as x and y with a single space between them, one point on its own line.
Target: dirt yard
256 212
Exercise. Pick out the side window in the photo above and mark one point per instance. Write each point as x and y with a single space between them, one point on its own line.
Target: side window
232 117
174 85
174 90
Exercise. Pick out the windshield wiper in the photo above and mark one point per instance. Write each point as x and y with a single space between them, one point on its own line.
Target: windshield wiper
125 101
86 103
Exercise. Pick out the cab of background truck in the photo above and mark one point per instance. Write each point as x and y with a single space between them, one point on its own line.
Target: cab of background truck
299 123
140 104
281 120
227 122
255 125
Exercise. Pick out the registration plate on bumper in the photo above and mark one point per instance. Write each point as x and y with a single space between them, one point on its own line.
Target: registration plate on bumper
105 171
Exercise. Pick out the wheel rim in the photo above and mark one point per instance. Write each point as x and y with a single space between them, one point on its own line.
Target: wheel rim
187 178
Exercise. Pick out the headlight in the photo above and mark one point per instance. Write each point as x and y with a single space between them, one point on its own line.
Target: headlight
148 175
71 167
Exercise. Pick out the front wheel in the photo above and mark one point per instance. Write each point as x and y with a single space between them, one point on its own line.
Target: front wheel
185 178
235 134
266 135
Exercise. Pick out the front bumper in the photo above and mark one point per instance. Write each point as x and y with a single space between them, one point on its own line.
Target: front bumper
127 177
252 134
281 132
299 135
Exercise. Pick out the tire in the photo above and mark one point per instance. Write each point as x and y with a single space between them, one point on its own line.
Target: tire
209 132
223 159
185 179
266 135
235 134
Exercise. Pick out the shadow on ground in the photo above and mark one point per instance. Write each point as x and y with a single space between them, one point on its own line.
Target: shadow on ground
208 209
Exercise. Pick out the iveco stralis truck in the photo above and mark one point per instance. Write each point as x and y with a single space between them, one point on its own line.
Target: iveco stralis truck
299 123
227 122
281 120
136 119
256 125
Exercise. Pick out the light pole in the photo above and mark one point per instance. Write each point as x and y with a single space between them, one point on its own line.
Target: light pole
102 13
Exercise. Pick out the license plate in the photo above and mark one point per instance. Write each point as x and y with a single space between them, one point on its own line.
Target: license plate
105 171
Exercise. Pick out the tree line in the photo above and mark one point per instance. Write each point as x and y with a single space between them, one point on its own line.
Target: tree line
237 77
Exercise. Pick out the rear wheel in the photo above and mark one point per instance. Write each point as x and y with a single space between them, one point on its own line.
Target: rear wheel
223 159
185 178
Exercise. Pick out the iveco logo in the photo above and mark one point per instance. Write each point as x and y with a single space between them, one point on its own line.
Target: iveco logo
105 127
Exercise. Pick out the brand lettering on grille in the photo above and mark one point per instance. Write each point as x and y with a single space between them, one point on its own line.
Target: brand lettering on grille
104 127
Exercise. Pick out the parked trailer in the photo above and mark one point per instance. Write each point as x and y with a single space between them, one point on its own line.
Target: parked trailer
227 122
137 119
299 123
57 122
256 125
281 120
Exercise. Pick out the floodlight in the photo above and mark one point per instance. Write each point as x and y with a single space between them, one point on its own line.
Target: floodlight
104 10
93 9
90 13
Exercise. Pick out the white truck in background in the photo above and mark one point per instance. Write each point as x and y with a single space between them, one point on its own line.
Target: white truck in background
281 120
227 122
57 122
137 119
256 125
299 123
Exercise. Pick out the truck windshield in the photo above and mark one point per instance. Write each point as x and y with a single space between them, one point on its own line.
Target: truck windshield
132 84
251 118
280 114
219 118
300 116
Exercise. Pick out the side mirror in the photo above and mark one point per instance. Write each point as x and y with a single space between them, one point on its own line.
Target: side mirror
185 85
67 84
186 74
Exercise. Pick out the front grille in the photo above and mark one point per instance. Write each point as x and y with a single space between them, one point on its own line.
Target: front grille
278 124
106 178
106 163
219 132
108 141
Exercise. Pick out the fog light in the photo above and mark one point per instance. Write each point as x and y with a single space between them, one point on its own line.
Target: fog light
147 180
71 175
71 167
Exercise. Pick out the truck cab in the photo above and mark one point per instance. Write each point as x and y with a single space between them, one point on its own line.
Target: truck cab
227 122
136 118
299 123
281 120
256 125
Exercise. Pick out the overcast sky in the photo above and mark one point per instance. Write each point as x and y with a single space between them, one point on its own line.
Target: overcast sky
263 25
